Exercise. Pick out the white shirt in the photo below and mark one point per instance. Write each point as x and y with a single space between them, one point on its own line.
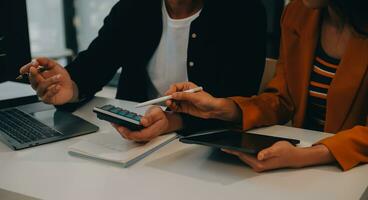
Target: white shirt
169 62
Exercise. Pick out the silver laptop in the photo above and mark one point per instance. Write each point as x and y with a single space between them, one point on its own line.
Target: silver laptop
24 124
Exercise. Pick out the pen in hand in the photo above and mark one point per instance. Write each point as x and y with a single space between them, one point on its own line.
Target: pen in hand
165 98
40 69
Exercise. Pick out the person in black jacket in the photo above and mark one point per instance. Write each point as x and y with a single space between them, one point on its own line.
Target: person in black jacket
215 44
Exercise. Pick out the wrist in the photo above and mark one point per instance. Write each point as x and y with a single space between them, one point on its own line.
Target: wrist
175 122
227 110
75 97
315 155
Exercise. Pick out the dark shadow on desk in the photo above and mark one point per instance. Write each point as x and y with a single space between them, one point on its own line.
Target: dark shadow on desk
206 164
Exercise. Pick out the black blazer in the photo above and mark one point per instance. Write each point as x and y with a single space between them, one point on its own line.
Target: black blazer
228 51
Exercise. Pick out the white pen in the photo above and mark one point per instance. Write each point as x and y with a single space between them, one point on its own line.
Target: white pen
165 98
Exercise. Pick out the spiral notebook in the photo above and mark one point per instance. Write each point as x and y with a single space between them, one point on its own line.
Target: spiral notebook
112 147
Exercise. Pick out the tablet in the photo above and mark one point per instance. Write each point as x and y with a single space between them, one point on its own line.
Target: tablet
236 140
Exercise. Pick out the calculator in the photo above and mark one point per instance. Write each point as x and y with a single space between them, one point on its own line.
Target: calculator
119 116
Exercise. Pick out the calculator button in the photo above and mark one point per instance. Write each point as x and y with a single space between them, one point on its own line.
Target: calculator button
137 118
131 115
107 107
123 112
115 110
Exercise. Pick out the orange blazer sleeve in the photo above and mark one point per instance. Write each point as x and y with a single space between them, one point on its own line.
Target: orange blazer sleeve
349 147
273 106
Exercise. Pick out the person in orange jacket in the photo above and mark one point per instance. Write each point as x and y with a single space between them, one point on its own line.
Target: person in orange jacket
321 83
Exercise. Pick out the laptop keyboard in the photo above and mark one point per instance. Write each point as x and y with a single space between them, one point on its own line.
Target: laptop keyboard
23 127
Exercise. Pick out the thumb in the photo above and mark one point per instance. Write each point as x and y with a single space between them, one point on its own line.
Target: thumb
26 68
268 153
147 121
153 115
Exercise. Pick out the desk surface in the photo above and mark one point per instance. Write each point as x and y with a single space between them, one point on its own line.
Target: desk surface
177 171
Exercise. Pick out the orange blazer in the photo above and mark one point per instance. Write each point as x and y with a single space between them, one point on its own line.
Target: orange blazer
286 95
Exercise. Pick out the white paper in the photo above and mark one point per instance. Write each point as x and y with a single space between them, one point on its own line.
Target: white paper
112 147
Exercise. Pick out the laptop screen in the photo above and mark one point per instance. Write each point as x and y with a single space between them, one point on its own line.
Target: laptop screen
15 94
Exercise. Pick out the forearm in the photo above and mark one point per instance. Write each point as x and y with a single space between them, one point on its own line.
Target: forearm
315 155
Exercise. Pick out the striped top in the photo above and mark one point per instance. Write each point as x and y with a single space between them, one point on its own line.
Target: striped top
324 70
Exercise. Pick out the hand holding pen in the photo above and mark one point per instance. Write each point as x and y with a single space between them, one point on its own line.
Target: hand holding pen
51 81
200 103
40 69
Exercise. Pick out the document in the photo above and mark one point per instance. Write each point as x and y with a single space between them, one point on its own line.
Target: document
112 147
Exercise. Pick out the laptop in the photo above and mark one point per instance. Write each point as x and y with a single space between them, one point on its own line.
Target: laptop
31 124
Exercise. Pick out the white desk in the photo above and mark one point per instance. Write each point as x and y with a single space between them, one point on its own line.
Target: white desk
177 171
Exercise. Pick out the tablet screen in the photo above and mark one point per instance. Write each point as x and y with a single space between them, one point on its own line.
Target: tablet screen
237 140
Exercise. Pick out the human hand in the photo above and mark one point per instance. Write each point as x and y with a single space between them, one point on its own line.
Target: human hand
280 155
201 104
156 123
53 86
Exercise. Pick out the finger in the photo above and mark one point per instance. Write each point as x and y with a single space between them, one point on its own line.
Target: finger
145 121
183 96
35 78
168 103
254 163
274 151
148 133
47 63
172 105
250 160
26 68
268 153
144 135
115 125
48 74
179 87
44 85
152 115
172 89
232 152
123 131
50 94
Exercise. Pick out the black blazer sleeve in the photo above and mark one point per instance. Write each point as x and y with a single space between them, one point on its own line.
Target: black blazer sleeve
95 67
241 38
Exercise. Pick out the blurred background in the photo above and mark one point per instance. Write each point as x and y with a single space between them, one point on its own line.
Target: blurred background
59 29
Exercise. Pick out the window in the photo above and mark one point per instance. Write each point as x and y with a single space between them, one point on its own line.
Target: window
46 28
89 19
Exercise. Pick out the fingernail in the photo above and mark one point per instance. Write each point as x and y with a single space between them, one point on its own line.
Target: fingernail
58 76
145 122
34 62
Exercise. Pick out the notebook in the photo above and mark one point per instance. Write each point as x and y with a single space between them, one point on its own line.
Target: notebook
365 195
112 147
